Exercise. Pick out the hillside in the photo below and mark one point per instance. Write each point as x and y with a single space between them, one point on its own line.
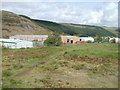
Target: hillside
13 24
74 29
19 24
112 29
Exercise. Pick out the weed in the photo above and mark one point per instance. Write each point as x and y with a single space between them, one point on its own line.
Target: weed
95 59
78 67
65 53
15 82
63 63
7 73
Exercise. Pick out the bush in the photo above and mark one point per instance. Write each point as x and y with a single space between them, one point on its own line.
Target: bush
98 38
65 53
89 41
54 40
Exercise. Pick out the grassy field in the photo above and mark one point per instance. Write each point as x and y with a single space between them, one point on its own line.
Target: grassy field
73 66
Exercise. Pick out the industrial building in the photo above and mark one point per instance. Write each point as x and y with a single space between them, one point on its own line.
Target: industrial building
15 43
40 38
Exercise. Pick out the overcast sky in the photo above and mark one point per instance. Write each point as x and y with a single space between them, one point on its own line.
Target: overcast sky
91 13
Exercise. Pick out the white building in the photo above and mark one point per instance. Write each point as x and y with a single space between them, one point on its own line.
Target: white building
87 39
15 43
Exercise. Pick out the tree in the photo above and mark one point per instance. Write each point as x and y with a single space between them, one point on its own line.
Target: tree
53 40
98 39
105 39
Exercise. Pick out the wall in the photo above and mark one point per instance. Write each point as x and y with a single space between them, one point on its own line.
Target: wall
87 39
24 44
74 38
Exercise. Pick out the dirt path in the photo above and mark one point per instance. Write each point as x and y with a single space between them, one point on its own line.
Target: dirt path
25 72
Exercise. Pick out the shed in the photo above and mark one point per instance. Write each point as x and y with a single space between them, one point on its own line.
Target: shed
15 43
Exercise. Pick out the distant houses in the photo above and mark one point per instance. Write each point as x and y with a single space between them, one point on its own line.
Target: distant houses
41 38
29 41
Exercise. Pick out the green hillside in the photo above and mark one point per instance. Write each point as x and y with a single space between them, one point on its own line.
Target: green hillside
111 29
74 29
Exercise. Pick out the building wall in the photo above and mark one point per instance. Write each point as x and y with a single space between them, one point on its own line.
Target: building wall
117 40
9 45
87 39
0 44
24 44
21 44
75 39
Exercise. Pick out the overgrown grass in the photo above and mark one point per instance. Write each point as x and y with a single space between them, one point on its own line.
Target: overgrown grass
62 62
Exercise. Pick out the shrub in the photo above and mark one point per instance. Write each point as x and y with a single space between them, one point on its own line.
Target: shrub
54 40
89 41
98 39
65 53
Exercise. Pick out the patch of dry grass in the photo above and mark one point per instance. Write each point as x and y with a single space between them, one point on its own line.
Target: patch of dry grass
64 66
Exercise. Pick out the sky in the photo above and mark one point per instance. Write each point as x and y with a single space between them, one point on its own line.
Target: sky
90 13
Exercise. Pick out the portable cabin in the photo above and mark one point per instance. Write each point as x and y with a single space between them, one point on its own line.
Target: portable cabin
15 43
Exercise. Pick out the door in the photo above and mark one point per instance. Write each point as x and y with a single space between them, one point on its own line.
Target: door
71 41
